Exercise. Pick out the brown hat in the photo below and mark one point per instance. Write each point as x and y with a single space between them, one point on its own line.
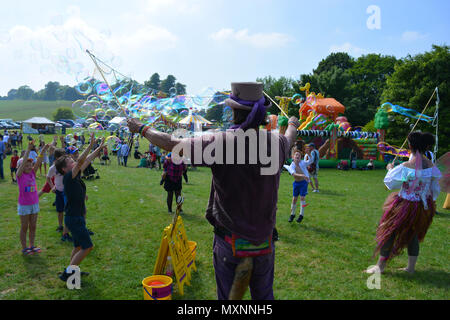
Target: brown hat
248 91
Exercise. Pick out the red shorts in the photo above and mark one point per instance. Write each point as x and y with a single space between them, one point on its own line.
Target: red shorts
46 188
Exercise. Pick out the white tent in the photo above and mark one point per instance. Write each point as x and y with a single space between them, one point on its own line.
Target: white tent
38 125
117 120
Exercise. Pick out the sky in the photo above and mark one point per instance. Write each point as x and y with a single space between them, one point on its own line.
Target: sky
205 43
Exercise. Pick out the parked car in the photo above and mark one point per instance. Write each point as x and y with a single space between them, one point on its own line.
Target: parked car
64 124
14 125
68 121
5 125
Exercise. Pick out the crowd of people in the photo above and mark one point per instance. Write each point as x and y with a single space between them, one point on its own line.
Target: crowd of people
242 204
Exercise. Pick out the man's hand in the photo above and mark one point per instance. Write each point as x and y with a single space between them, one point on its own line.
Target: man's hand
46 148
295 121
390 166
134 125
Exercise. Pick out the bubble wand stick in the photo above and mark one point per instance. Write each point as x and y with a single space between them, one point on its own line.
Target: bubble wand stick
276 105
404 142
94 59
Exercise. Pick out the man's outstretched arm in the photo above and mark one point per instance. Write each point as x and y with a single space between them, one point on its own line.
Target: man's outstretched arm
160 139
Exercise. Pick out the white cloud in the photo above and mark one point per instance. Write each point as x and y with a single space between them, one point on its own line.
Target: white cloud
258 40
157 37
411 36
173 6
349 48
57 50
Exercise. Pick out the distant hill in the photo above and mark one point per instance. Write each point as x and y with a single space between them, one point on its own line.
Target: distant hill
25 109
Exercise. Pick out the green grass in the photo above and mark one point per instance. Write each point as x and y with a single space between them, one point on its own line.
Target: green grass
25 109
322 258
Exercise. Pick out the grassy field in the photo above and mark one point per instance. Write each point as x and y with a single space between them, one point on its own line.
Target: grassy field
25 109
323 258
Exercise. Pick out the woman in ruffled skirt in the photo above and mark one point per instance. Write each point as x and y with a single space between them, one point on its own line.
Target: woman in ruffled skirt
409 212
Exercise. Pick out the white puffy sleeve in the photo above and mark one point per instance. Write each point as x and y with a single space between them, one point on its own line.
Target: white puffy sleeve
436 175
393 179
291 168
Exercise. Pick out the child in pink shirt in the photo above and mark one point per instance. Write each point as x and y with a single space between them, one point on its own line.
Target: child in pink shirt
28 204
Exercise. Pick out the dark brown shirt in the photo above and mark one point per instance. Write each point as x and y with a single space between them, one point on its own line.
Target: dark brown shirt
243 200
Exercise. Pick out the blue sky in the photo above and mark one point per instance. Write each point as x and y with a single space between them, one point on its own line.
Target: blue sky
204 43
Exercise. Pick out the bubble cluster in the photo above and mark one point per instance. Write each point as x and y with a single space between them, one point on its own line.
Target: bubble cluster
128 98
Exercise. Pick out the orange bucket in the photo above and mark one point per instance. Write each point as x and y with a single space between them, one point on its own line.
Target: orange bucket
158 287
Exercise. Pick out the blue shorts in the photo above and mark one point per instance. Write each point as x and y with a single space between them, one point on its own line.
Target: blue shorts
80 234
24 210
59 201
300 188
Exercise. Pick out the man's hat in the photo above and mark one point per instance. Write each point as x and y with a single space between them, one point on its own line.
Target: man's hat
248 92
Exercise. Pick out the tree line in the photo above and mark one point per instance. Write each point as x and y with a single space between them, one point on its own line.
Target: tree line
53 90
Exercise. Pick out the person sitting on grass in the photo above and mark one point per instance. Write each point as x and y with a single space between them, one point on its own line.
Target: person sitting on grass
137 154
143 162
298 169
370 165
75 209
28 204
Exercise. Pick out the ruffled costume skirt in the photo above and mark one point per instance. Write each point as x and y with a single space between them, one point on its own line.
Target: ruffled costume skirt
402 220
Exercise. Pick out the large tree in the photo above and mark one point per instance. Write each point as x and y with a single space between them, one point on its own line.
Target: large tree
24 93
63 113
215 113
181 88
168 83
411 86
154 82
357 84
51 89
12 94
282 87
367 81
341 60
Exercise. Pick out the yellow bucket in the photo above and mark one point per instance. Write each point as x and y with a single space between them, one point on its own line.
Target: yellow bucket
157 287
193 247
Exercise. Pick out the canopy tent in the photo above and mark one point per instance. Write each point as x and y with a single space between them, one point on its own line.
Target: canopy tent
38 125
117 120
195 119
